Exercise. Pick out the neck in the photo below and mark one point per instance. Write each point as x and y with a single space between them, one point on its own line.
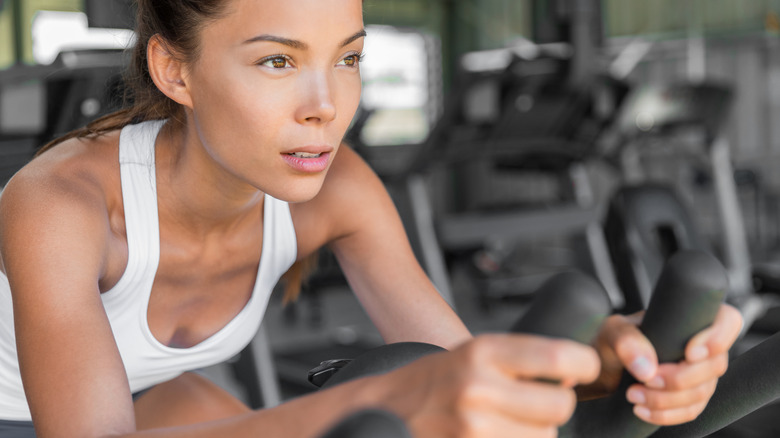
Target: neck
197 194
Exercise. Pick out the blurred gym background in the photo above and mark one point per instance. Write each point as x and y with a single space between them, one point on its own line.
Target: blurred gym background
505 130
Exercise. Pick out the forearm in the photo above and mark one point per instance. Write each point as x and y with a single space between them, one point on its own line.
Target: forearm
306 416
398 296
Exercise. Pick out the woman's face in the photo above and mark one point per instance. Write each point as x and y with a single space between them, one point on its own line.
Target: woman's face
275 88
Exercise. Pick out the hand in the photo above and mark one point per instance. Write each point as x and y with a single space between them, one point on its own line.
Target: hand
672 393
494 385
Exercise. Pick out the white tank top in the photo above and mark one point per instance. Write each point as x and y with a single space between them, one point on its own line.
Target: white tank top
146 360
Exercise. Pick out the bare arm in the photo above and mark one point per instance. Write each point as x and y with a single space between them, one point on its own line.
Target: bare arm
485 388
368 238
53 240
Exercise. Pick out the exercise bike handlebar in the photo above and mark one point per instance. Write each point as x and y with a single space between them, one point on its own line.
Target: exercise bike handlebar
686 298
685 301
752 381
570 305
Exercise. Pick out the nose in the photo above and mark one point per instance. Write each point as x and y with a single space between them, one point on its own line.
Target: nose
318 104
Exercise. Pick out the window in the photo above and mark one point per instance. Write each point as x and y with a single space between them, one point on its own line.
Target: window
16 26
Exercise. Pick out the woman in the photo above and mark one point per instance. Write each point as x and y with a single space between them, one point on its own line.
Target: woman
146 246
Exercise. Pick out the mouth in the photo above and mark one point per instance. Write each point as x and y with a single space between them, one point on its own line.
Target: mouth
304 155
308 161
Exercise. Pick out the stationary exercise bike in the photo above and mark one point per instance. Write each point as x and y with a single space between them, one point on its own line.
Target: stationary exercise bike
685 300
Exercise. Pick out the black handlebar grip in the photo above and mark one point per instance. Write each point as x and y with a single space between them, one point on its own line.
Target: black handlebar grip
752 381
570 305
685 301
381 360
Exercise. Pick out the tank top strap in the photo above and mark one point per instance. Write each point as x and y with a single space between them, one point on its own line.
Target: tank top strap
280 247
139 193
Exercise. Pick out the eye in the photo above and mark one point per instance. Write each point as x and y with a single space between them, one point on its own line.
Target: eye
277 62
352 60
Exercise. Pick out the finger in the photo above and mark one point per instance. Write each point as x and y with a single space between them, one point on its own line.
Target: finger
717 338
536 357
534 402
668 417
657 400
632 348
686 375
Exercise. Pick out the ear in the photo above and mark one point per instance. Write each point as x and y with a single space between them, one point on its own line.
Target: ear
167 72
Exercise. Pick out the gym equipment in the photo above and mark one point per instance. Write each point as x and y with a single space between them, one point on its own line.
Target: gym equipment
79 86
647 219
513 120
40 102
381 360
689 291
685 301
371 423
751 383
645 225
668 116
569 305
118 14
531 111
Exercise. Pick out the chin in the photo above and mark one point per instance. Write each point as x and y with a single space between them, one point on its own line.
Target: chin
298 192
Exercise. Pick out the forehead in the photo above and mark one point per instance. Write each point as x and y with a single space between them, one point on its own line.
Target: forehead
315 21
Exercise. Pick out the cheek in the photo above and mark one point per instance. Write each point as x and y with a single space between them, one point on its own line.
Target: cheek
241 102
238 115
348 100
221 83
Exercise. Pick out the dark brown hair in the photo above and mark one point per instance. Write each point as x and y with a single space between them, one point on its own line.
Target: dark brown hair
178 23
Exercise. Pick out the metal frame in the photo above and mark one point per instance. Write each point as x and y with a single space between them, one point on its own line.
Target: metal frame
267 376
469 229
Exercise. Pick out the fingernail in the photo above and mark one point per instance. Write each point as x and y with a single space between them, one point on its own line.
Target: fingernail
642 412
656 382
641 368
698 353
636 396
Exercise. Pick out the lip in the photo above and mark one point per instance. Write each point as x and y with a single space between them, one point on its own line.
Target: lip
309 165
311 149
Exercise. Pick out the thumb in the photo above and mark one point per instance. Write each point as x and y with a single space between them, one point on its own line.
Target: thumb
632 348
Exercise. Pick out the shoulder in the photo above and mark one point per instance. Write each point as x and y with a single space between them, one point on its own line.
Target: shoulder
351 194
76 170
63 195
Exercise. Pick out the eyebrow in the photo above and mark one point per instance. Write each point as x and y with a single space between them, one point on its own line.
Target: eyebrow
300 45
359 34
